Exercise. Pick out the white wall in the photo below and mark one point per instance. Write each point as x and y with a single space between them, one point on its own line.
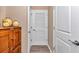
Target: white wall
2 14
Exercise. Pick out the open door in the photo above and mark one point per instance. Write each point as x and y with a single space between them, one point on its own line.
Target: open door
39 27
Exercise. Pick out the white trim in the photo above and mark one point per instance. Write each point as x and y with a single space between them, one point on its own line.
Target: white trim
39 11
39 43
28 30
54 26
54 19
70 19
49 48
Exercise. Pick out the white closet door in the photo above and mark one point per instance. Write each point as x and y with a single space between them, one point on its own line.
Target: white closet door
63 23
39 27
63 26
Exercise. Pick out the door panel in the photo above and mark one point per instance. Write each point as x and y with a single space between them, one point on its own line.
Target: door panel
39 23
63 21
16 36
62 47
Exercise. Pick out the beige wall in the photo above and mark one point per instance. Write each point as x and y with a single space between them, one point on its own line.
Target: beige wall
2 13
20 13
39 7
50 27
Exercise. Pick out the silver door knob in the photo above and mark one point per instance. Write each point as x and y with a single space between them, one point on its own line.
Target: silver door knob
34 29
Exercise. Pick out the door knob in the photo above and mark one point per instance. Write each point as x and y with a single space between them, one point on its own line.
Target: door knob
34 29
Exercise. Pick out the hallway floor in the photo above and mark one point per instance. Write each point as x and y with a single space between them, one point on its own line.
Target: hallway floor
39 49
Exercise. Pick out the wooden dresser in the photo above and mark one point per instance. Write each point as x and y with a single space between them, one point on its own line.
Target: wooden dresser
10 39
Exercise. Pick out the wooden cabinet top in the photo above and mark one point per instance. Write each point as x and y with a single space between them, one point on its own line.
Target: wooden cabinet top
5 28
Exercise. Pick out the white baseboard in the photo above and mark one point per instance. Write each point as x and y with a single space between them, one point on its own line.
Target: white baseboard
39 43
49 48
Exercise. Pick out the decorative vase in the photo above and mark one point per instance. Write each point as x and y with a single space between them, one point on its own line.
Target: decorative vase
7 22
15 23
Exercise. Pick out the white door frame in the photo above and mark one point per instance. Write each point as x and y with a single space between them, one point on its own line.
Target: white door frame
29 11
54 29
28 29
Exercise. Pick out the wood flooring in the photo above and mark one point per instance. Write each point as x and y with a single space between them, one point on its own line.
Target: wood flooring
39 49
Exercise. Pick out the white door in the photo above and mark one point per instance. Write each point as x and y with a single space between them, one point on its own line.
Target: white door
63 25
39 26
62 47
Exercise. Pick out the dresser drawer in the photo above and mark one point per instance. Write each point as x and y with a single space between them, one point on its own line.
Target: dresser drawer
4 32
